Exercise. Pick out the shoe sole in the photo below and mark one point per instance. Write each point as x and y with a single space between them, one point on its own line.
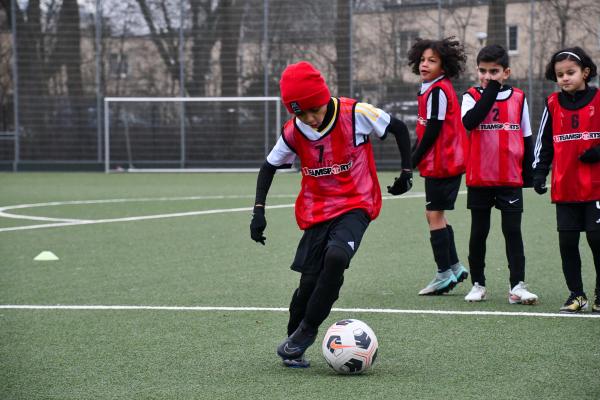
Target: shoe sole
476 301
571 312
296 364
524 302
580 310
441 291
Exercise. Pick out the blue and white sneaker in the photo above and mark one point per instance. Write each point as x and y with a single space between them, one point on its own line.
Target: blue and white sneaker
442 283
293 347
460 272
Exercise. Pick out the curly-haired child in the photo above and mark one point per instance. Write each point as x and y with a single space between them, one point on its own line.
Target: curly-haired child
441 150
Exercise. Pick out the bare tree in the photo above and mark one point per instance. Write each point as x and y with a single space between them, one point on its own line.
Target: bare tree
462 18
6 83
565 13
69 42
164 36
342 46
30 57
229 35
555 26
204 22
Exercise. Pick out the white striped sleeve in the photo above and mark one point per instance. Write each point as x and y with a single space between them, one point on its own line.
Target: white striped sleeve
538 139
468 102
437 103
525 122
370 119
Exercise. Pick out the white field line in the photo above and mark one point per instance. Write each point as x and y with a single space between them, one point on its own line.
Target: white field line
3 212
74 222
281 309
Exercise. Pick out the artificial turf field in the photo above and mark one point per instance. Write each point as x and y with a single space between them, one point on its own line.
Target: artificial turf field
191 255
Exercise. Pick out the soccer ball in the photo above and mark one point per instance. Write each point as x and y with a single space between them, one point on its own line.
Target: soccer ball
350 346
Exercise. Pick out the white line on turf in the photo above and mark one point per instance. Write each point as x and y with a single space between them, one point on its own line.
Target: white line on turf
3 210
281 309
68 222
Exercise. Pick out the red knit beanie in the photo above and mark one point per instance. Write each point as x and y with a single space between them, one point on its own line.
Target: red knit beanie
303 87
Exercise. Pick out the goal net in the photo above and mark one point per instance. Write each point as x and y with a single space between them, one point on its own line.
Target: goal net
160 134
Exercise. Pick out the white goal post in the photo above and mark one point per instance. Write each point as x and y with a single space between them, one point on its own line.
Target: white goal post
189 134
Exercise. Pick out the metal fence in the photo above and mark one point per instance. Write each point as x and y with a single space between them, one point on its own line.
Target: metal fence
60 59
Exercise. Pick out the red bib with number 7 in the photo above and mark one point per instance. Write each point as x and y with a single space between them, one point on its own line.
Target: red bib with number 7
338 175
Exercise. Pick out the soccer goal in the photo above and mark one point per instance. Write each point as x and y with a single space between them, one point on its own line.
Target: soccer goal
185 134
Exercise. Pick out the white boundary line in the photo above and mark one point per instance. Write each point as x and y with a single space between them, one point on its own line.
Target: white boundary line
72 222
281 309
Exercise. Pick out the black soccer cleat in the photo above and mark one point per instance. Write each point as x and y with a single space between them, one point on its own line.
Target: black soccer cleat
576 303
301 362
293 348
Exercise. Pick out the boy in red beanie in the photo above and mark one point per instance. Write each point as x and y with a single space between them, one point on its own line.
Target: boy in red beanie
339 194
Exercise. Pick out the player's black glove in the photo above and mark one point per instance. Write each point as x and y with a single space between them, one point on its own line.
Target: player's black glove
539 183
402 184
591 155
258 225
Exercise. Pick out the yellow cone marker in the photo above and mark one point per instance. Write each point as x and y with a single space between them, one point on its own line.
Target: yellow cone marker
46 256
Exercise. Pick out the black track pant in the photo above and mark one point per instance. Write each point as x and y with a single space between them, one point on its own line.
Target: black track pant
313 299
571 259
511 229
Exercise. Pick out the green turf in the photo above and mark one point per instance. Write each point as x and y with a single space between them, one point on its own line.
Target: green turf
209 260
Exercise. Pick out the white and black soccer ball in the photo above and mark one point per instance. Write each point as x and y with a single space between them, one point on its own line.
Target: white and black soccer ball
350 346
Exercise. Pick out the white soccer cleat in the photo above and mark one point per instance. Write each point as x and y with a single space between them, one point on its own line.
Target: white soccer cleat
520 295
477 293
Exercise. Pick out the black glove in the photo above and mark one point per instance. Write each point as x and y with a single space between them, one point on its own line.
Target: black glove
402 184
258 225
591 155
539 183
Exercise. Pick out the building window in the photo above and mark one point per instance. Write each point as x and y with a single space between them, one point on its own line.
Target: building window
404 41
118 65
513 38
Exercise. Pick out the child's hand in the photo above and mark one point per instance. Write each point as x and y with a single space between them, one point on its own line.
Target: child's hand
402 184
496 83
539 183
258 225
591 155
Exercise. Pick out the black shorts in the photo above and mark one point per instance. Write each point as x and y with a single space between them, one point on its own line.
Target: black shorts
440 193
578 216
503 198
345 231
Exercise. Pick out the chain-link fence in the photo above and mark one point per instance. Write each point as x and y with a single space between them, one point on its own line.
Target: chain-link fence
60 59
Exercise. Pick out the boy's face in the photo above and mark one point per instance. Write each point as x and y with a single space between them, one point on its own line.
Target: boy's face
314 116
490 71
430 66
